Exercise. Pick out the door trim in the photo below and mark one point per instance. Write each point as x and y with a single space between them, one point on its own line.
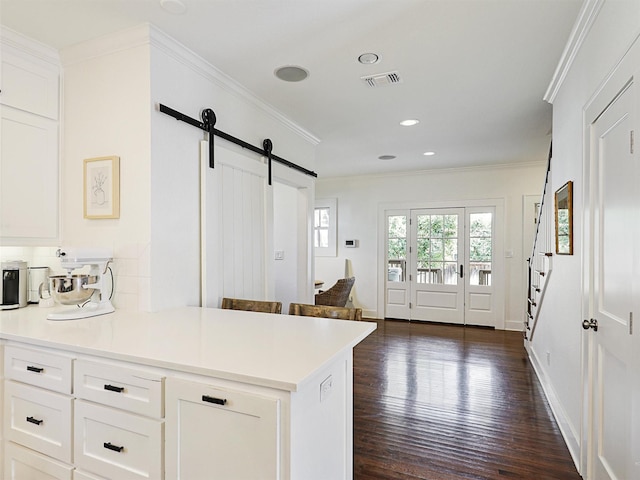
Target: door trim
499 233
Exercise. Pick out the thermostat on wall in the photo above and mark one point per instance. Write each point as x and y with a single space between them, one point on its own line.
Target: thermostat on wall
351 243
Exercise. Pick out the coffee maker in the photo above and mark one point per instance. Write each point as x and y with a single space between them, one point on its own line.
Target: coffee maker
13 293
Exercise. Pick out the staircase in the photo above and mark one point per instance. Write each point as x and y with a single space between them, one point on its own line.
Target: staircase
540 263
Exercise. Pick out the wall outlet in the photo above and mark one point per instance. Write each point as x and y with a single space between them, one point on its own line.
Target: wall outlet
279 255
326 387
548 358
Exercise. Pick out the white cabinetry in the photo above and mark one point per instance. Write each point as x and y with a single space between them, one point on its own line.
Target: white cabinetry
37 414
29 128
125 442
23 463
116 444
215 432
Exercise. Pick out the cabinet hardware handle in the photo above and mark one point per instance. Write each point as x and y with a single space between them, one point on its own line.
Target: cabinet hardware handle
35 369
217 401
113 388
115 448
34 420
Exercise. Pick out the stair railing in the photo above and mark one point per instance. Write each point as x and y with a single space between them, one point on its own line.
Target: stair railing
540 263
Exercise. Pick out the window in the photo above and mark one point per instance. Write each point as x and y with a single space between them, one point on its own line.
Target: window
324 227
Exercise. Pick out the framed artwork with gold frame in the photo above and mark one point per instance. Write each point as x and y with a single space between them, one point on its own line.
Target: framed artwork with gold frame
102 187
564 219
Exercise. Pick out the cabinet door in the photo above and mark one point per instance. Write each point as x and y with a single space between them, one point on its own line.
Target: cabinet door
29 83
28 177
215 433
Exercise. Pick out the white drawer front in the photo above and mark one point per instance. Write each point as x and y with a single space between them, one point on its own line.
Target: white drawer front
22 463
39 368
137 391
38 419
116 444
80 475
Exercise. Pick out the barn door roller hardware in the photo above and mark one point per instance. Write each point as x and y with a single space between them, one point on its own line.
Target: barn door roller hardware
208 125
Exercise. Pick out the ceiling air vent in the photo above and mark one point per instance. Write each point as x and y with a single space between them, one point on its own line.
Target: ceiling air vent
382 79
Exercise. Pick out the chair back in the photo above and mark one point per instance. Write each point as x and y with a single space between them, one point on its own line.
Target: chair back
251 305
338 295
325 311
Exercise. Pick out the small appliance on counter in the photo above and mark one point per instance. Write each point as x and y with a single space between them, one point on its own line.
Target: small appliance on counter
13 293
86 291
38 283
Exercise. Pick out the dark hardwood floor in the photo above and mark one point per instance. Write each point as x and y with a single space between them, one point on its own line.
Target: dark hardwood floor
444 402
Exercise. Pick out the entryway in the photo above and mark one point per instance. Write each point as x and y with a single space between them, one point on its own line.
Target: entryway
440 265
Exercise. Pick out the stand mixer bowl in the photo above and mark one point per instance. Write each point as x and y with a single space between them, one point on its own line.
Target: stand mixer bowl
69 290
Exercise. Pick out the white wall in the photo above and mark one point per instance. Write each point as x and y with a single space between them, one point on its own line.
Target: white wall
111 88
285 240
106 112
360 198
184 82
558 333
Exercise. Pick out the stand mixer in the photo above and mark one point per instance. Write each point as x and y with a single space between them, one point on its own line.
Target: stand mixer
81 289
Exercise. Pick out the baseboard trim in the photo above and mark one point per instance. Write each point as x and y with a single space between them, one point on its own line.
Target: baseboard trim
570 438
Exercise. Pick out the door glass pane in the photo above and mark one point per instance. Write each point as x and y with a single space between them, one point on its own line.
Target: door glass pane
397 248
437 249
480 248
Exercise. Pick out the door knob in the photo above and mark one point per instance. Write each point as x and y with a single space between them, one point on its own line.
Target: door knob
591 323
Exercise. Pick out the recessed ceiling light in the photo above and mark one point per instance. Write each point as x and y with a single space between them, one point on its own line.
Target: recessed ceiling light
368 58
428 154
291 73
176 7
387 157
410 122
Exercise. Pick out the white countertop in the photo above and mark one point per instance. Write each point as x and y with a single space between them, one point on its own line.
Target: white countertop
278 351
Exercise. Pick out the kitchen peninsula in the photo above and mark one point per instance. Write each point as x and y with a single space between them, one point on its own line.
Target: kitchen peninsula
187 393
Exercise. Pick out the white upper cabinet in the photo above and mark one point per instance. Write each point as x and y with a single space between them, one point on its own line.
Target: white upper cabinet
29 156
29 83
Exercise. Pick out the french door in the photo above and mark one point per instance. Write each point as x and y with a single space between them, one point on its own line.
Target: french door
439 265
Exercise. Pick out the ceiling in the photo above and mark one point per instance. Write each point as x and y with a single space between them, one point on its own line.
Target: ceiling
474 72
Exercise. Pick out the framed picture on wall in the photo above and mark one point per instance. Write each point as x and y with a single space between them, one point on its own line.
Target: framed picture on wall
564 219
102 187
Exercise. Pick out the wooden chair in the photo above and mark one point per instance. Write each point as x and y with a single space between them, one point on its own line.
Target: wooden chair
325 311
338 295
251 305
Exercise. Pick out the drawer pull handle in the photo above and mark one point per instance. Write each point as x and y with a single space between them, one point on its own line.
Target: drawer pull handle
34 421
217 401
113 388
35 369
115 448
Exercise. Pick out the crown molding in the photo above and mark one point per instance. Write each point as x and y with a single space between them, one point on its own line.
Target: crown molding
190 59
436 171
16 40
148 35
587 16
106 45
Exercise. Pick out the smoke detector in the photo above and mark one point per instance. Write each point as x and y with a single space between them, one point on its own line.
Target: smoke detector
382 79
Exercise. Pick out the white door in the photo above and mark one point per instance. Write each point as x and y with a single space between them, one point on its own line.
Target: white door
439 265
397 252
613 223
